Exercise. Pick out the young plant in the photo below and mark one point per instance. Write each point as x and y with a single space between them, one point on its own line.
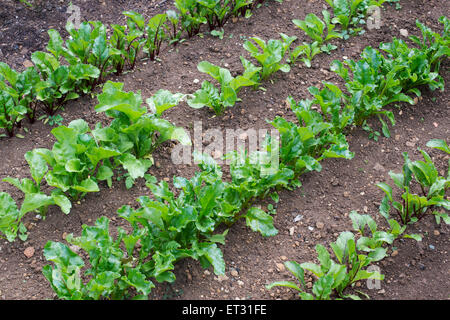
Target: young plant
135 132
216 99
333 277
155 33
435 45
11 114
417 71
310 50
113 271
353 258
61 82
35 200
375 84
314 27
10 219
21 87
270 54
241 7
350 13
191 16
303 146
217 12
414 207
174 30
76 160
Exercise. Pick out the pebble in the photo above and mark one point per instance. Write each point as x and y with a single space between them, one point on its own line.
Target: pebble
280 267
284 258
404 32
319 225
28 64
436 232
431 247
298 218
207 273
222 278
234 273
240 283
394 253
29 252
382 291
291 231
378 167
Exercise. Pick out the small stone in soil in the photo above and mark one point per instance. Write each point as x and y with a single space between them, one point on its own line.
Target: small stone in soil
29 252
280 267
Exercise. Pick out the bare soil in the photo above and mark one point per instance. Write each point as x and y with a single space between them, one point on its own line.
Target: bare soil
415 270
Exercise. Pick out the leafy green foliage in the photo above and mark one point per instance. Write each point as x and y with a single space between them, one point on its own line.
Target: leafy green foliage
155 33
133 129
309 50
10 217
17 90
61 82
112 273
315 28
314 139
351 13
217 12
173 29
435 45
353 256
191 16
421 65
35 199
414 206
216 99
270 54
375 84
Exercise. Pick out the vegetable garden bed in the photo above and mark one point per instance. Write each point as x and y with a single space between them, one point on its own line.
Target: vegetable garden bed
315 213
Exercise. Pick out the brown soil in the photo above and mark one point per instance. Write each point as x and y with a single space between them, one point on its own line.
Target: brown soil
419 270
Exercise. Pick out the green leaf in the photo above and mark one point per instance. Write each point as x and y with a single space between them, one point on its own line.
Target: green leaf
215 257
135 167
35 201
87 185
9 216
61 255
386 188
439 144
287 284
138 281
163 100
296 270
260 221
63 202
